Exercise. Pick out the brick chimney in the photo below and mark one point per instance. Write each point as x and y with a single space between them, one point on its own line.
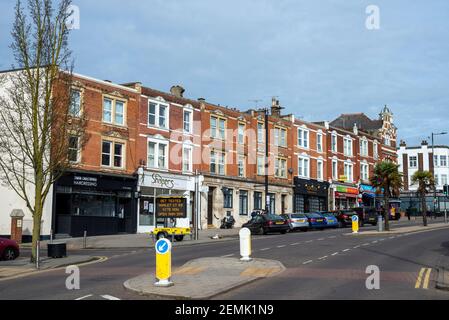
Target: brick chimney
275 108
177 91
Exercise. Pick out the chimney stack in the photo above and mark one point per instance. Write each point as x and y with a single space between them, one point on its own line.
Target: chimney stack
275 107
177 91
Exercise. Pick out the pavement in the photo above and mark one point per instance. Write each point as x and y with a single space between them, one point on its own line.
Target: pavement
23 266
141 240
442 282
206 277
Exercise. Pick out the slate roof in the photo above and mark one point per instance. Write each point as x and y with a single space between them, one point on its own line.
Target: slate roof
346 121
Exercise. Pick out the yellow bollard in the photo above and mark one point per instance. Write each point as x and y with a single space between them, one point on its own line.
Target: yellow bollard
163 263
355 223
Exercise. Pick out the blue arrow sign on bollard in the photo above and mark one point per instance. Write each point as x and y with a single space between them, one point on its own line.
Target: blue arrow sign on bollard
162 246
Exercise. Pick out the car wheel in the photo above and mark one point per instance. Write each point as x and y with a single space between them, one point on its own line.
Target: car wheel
341 224
261 231
9 254
283 231
179 238
304 229
161 235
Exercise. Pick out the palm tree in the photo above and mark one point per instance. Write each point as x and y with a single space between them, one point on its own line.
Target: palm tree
386 178
425 182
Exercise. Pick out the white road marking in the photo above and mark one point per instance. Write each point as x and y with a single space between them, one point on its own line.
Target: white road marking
108 297
346 250
309 241
84 297
335 253
227 255
322 258
357 247
381 239
281 246
320 239
294 244
333 237
265 249
391 237
365 244
307 262
375 241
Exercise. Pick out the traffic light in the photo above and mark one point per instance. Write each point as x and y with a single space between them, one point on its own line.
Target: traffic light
446 190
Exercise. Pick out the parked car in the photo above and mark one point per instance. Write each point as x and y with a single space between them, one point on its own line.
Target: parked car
367 215
9 249
316 221
331 219
297 221
344 217
266 223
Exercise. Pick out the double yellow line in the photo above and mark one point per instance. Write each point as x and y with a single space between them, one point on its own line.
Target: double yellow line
423 278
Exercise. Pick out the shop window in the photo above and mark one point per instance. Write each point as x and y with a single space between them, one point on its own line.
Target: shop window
272 198
243 203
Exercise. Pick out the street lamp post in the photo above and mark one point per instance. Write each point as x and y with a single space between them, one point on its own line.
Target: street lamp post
435 187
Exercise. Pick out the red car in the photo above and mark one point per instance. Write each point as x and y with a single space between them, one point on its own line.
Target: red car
9 250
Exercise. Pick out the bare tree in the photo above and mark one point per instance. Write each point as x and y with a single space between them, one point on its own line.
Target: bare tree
38 125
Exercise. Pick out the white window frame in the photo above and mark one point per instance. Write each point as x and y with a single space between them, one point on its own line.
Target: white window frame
320 169
335 172
260 165
241 134
347 146
219 158
78 149
444 179
78 114
443 163
364 171
375 150
158 106
260 133
241 165
334 142
280 169
216 134
303 137
113 111
157 143
415 161
112 154
364 147
349 171
280 137
319 142
190 120
302 168
190 164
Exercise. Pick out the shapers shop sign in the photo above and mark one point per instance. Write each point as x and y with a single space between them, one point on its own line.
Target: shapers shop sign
171 207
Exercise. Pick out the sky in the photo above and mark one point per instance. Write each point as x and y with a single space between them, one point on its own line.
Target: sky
317 57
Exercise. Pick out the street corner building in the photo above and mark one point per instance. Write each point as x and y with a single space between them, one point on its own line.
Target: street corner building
145 143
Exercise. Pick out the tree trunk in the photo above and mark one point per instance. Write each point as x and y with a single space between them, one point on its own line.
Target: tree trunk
424 209
387 212
37 218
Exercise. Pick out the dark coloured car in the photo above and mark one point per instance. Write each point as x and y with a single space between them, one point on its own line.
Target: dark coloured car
367 215
331 219
316 221
267 223
344 217
9 250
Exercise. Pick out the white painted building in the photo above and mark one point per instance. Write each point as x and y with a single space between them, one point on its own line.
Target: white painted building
414 158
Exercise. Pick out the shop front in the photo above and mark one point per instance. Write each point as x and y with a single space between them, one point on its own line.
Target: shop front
346 196
367 195
100 204
310 195
153 184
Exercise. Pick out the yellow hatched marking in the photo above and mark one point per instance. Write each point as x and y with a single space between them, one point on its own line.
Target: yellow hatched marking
419 279
427 279
258 272
423 278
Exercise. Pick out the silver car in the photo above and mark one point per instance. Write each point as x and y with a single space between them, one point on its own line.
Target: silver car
297 221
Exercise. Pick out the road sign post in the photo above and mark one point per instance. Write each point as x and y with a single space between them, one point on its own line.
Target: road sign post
355 223
245 244
163 263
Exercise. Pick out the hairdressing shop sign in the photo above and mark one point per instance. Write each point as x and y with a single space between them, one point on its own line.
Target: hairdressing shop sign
167 181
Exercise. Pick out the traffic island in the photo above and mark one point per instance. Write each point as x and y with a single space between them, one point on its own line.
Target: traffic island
442 282
205 278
